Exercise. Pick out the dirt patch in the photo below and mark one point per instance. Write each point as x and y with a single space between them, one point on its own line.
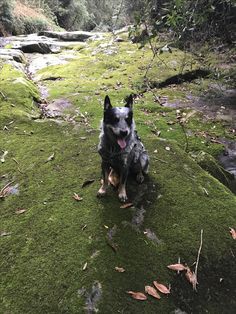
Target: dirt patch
22 10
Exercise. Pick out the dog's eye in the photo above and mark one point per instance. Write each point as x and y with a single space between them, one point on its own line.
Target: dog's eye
129 119
115 120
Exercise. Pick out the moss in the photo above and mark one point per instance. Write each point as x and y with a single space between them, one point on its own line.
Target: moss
18 94
42 258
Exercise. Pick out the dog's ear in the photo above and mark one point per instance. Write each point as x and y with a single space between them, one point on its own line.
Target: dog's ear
129 101
107 103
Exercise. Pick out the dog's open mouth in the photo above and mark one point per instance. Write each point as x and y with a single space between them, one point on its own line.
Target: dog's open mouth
121 142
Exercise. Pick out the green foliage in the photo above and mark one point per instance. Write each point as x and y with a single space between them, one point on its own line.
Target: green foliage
29 25
186 20
6 17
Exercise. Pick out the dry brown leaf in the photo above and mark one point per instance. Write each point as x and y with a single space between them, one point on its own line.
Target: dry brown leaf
162 288
233 233
120 269
20 211
152 291
191 277
137 295
6 190
127 205
77 197
177 267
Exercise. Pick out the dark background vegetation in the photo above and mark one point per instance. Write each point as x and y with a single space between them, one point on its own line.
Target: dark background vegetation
183 20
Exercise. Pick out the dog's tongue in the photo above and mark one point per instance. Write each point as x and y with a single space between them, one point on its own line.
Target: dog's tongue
121 142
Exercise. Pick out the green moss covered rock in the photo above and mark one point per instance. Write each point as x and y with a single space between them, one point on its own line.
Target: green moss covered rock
59 255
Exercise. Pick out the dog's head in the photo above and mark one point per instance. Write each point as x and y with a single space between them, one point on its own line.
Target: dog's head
118 121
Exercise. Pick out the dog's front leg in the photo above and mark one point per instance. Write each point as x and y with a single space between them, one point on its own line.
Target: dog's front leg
122 186
105 173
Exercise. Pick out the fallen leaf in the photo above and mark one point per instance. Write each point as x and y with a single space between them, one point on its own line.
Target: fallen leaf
84 227
127 205
77 197
233 233
191 277
6 190
152 291
137 295
87 182
85 266
162 288
4 234
51 157
20 211
120 269
3 156
177 267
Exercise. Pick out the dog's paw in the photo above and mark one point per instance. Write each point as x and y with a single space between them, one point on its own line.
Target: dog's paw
140 178
101 192
123 197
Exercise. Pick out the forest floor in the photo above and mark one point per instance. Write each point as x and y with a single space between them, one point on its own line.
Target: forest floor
62 255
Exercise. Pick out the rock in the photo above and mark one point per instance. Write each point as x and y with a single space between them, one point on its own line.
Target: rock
68 36
39 47
118 40
123 30
12 54
210 164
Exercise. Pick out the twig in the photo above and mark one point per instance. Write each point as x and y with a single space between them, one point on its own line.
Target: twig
3 96
198 255
165 162
4 191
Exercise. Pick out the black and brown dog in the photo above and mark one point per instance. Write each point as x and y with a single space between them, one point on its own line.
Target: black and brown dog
120 147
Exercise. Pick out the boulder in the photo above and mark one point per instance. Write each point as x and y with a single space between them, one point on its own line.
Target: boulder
68 36
39 47
210 164
12 54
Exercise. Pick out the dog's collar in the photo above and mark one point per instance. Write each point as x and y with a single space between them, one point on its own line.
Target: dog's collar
110 155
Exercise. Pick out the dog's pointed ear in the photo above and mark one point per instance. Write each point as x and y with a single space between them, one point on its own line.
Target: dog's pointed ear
107 103
129 101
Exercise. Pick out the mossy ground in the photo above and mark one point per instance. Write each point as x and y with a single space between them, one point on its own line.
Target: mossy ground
43 255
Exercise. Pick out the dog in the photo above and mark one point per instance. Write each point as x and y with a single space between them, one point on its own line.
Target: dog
120 147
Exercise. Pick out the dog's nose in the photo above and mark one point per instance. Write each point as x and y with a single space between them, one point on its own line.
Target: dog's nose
123 133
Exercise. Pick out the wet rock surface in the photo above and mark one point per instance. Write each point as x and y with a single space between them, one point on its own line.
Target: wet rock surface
70 36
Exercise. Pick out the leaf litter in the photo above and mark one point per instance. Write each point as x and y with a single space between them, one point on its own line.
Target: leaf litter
191 276
20 211
51 157
162 288
119 269
77 197
152 291
9 189
233 233
137 295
